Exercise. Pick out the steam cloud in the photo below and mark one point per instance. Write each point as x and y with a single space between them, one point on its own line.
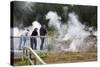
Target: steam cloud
71 36
74 34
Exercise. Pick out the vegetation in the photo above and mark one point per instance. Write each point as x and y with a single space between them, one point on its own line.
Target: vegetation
63 57
25 13
50 47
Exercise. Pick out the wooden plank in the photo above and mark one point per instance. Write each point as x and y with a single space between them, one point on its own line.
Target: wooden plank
35 55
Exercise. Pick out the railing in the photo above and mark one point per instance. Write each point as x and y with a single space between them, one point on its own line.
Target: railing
15 43
29 50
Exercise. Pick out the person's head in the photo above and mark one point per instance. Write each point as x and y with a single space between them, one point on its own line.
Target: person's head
35 29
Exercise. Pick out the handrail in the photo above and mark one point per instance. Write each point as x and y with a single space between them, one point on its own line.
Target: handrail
35 54
27 36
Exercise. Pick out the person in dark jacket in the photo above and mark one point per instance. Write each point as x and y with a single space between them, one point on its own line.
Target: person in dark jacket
43 32
33 39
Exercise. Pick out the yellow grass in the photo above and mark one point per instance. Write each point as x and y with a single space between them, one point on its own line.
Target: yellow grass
64 57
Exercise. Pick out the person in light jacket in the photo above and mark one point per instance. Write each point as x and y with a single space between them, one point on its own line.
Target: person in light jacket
23 39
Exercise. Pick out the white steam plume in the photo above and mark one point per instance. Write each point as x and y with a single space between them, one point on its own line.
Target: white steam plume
74 32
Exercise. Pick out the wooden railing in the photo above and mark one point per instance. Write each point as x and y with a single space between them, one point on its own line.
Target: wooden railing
25 54
29 50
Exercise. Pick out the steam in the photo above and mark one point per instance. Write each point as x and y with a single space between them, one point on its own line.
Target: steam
18 32
54 20
74 34
23 11
26 6
71 36
75 28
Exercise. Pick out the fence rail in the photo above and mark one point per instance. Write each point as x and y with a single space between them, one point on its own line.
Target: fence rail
38 59
15 52
27 36
16 41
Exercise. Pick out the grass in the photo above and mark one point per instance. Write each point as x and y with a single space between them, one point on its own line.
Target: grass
20 62
50 33
64 57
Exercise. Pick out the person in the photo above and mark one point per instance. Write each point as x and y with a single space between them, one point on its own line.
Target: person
33 39
23 39
43 32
